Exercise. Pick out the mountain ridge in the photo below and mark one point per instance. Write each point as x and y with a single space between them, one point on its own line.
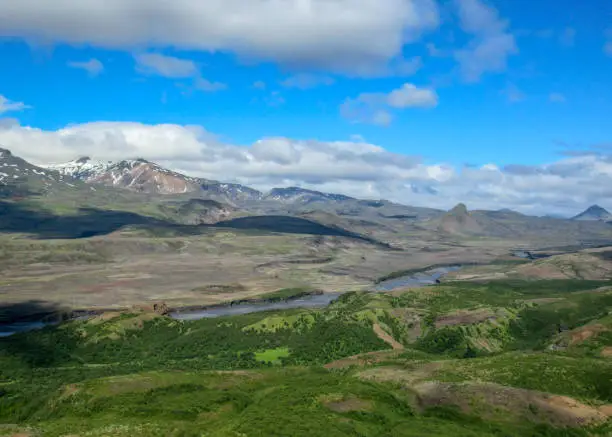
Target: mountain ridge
594 213
141 175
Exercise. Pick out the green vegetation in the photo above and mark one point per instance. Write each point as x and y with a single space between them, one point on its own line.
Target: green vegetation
272 355
286 294
326 372
586 379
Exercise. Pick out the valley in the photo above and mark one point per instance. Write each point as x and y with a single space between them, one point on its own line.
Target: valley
500 358
305 218
193 307
88 235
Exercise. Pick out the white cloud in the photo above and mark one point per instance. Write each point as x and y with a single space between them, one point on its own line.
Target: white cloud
557 98
259 85
374 107
166 66
306 81
409 96
608 48
352 167
492 43
7 105
349 36
175 68
93 67
382 118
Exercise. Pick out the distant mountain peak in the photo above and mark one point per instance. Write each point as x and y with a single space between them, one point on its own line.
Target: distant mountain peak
133 174
596 208
594 213
139 174
459 209
303 195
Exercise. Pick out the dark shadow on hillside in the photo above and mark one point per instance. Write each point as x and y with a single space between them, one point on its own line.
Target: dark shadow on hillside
16 192
291 225
33 310
89 222
34 344
92 222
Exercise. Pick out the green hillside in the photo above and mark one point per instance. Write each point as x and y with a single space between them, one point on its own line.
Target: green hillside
493 359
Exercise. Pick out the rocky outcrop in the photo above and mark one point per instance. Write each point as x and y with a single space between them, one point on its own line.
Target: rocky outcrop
459 221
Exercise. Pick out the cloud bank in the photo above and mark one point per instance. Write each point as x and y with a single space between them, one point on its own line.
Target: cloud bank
349 36
351 167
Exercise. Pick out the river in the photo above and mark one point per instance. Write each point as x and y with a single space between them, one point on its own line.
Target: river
419 279
13 328
312 301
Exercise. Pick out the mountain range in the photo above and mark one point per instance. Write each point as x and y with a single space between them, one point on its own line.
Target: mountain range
143 176
137 186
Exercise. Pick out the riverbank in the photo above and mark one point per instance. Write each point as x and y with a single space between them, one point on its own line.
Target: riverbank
287 298
281 298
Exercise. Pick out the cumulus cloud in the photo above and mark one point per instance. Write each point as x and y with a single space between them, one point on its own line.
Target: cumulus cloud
382 118
349 36
93 67
374 107
7 105
491 45
354 168
409 96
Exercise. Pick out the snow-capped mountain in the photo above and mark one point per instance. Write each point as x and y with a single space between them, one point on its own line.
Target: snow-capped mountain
18 177
144 176
236 193
83 168
303 196
134 174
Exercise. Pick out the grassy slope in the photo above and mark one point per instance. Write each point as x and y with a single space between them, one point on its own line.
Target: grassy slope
141 375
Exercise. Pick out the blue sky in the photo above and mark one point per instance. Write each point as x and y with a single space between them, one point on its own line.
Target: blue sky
458 82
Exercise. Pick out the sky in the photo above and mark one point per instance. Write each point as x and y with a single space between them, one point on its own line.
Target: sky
494 103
